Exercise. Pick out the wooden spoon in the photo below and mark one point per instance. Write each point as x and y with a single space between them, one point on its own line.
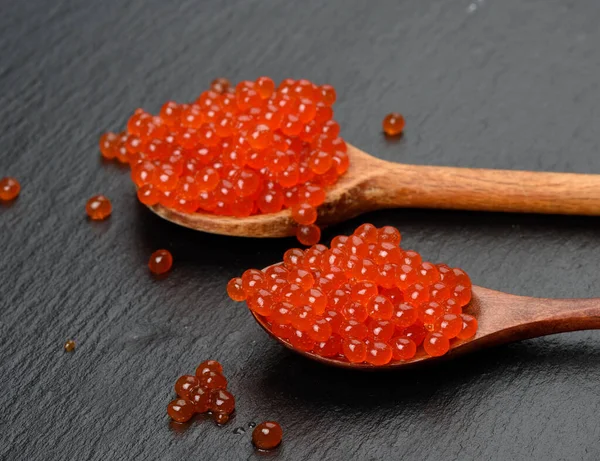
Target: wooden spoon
371 184
502 318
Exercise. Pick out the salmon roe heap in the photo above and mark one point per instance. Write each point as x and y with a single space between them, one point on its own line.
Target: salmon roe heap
9 189
237 150
267 435
393 124
204 392
364 299
98 208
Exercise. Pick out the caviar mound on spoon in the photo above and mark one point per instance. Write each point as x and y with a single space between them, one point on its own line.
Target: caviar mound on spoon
357 329
236 153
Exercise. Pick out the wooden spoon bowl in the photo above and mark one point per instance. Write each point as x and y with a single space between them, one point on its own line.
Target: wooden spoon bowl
502 318
371 184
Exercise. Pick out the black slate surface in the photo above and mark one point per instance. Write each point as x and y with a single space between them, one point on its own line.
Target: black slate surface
486 83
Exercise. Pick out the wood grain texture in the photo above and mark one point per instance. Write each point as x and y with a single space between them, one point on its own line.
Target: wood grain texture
506 84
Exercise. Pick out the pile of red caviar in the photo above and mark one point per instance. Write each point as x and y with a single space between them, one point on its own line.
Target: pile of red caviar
238 151
364 299
206 391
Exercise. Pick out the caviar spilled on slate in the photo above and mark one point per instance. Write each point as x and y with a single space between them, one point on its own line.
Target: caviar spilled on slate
364 299
237 151
393 124
9 189
267 435
98 208
206 391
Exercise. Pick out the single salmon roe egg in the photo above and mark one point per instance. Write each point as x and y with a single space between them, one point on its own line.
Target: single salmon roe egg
208 366
404 315
330 348
235 290
301 277
281 313
301 340
200 398
389 234
393 124
304 214
430 312
353 329
213 380
184 385
108 145
261 302
293 257
320 330
354 350
381 330
220 85
181 410
160 262
403 348
267 435
308 235
379 353
436 344
380 308
302 317
362 292
416 332
148 195
221 418
468 328
252 281
356 311
462 294
98 208
450 325
222 401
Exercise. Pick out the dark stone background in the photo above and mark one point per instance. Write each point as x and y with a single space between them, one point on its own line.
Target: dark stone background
484 83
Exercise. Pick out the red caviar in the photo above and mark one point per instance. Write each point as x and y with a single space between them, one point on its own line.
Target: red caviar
9 189
237 151
160 262
206 391
393 124
365 299
267 435
98 208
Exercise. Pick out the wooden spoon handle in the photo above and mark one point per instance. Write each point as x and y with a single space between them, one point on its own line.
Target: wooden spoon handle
398 185
506 318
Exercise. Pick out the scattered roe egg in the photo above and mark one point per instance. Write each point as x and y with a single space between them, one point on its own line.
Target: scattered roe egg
9 189
237 150
267 435
364 300
393 124
70 346
160 262
206 391
98 208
